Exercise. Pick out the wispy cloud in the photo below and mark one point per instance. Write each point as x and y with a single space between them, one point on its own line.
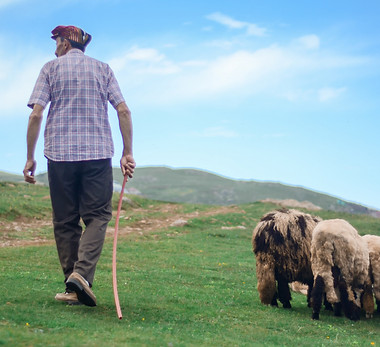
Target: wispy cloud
326 94
144 60
215 132
207 28
266 136
310 41
289 71
252 29
4 3
225 44
18 74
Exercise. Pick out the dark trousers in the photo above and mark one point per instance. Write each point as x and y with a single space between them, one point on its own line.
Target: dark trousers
80 190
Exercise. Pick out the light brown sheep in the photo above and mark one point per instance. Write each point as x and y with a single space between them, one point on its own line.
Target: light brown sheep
340 262
281 242
373 283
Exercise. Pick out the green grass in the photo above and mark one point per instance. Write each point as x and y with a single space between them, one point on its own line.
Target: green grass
24 200
190 286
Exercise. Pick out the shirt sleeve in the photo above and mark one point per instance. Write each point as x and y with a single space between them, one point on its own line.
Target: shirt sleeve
41 92
115 97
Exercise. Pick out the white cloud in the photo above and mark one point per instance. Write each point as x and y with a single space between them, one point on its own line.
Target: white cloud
310 41
194 63
287 72
18 75
220 43
144 60
207 28
252 29
4 3
326 94
274 135
215 132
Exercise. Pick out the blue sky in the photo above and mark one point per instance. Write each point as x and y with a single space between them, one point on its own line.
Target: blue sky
273 91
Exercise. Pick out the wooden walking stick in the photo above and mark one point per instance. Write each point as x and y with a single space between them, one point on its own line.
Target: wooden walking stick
114 280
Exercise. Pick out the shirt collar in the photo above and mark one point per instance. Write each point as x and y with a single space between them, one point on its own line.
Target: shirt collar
74 51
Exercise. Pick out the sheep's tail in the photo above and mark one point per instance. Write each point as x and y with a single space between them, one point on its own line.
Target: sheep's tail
322 264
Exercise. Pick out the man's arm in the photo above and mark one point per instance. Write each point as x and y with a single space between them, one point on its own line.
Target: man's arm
34 126
127 162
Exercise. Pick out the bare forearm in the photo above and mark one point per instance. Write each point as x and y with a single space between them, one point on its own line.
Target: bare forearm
125 124
127 162
34 126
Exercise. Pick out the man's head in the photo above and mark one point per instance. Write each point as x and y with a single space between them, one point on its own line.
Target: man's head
68 37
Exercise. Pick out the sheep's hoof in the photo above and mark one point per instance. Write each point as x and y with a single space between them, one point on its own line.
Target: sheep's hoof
328 306
338 309
369 315
355 315
287 305
315 316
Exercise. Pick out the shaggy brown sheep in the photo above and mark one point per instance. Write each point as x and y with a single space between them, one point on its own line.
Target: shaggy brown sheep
340 261
281 242
372 286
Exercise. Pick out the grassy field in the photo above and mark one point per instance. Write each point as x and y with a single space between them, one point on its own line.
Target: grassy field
178 286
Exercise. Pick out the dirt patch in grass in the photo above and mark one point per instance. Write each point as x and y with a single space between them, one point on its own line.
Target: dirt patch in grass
33 232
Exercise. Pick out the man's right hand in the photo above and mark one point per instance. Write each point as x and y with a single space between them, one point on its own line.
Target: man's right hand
127 164
29 169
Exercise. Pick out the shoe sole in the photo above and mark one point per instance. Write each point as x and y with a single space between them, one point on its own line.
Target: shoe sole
74 303
77 287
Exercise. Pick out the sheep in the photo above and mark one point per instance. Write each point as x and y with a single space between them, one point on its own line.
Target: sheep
339 261
281 243
372 286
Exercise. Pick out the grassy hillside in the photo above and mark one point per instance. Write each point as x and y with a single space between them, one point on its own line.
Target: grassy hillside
196 186
178 286
201 187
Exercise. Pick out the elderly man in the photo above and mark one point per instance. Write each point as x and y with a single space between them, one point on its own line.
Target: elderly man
79 148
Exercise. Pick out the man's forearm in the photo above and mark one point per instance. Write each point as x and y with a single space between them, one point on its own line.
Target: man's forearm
34 126
125 123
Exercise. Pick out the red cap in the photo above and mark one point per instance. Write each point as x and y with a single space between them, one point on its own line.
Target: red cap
73 33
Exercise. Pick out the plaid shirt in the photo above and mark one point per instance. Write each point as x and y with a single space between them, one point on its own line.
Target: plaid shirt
79 88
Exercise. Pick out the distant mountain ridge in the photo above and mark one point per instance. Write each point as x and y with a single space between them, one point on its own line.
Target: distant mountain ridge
202 187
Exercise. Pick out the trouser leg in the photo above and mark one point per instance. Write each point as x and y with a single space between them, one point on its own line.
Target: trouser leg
95 207
64 186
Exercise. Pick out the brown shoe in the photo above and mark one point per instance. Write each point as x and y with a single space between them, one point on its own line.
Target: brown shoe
69 298
79 285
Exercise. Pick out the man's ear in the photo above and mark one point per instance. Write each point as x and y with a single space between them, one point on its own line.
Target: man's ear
67 44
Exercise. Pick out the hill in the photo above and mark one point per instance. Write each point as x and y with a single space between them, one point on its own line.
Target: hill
202 187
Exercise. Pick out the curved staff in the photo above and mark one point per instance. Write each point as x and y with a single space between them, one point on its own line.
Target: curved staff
114 280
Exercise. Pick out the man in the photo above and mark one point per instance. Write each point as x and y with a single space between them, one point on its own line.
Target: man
79 148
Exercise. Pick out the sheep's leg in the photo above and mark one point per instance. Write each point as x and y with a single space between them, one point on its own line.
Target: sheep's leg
266 281
338 309
316 296
274 300
283 291
336 278
328 306
375 266
351 310
309 290
367 299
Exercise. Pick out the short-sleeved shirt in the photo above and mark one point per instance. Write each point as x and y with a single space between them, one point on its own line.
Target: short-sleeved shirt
79 88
